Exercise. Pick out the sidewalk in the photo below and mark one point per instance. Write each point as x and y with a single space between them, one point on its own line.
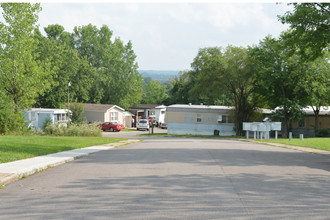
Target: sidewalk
13 171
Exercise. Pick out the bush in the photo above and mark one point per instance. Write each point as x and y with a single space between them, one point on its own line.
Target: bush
77 112
12 123
324 133
74 130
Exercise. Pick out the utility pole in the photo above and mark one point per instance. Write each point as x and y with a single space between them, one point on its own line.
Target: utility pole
69 84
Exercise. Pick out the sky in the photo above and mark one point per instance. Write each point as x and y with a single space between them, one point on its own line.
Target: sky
167 36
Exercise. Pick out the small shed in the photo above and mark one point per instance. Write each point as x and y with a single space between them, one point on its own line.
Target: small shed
36 117
103 113
127 118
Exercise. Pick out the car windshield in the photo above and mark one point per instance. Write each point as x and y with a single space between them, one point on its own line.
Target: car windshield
143 121
115 123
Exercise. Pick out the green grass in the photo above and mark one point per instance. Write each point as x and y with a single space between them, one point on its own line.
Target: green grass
128 129
20 147
317 143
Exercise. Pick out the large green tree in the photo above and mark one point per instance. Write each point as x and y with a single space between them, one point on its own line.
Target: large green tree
179 89
221 74
117 80
317 85
280 80
309 28
68 66
22 77
154 93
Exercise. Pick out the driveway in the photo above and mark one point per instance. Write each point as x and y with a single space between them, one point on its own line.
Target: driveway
177 178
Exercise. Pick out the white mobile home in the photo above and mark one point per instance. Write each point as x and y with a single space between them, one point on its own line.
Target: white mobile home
199 120
36 117
103 113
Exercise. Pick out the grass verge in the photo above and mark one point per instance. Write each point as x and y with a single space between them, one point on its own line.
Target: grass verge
21 147
128 129
316 143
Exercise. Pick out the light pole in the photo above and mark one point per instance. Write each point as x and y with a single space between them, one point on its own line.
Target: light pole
69 84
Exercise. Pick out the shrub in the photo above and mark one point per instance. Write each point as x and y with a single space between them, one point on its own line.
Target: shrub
324 133
73 130
77 112
9 120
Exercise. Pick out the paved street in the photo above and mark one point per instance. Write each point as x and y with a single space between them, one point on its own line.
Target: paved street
177 178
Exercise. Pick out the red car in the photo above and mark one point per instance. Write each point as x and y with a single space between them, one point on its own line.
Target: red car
110 126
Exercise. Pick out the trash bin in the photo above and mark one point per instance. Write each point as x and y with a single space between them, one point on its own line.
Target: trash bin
216 132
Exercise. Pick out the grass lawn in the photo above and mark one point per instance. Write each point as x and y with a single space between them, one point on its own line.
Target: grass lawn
317 143
129 129
20 147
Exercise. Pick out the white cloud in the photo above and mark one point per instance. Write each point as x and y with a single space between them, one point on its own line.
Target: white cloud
168 36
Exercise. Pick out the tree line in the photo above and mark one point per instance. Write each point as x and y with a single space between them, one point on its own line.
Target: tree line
36 69
288 72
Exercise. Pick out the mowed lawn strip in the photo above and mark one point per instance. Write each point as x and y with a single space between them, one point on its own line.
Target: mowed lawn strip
21 147
316 143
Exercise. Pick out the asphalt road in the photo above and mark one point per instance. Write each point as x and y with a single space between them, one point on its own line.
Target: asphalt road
177 178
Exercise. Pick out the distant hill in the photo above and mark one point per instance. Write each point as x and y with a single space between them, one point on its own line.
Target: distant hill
162 75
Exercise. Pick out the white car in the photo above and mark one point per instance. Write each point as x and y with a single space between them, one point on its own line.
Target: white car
142 124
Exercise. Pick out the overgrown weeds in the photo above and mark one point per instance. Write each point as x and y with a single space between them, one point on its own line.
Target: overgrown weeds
83 130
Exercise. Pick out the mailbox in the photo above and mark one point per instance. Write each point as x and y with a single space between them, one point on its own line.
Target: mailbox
276 126
254 126
262 127
246 126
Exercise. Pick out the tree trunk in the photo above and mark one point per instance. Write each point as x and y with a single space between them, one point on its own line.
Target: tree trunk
316 128
285 130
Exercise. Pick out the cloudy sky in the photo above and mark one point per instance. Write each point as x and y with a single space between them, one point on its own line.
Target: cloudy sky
167 36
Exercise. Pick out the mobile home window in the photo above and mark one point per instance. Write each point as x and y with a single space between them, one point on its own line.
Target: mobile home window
199 118
33 116
114 116
219 119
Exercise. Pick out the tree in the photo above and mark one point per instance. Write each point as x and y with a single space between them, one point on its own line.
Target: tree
77 112
22 77
179 89
239 80
219 75
154 93
8 119
207 75
117 80
310 28
68 67
317 85
280 80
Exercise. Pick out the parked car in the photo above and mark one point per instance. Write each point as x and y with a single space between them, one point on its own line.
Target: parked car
111 126
142 124
163 125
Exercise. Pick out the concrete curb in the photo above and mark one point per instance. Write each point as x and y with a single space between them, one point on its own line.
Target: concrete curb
13 171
